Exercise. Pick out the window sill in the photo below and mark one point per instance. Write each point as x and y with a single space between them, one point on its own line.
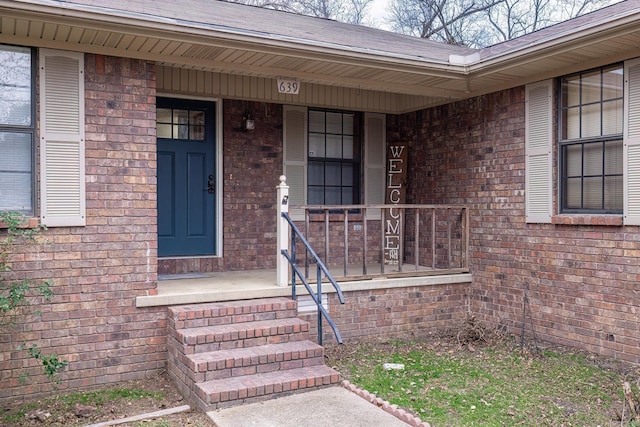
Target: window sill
608 220
29 223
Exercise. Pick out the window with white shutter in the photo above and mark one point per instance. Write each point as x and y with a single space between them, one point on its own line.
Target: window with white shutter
62 172
590 140
322 152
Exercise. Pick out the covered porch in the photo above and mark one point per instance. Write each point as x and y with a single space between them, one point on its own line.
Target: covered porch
393 246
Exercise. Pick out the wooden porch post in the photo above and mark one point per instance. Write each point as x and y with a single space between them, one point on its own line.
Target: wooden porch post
282 265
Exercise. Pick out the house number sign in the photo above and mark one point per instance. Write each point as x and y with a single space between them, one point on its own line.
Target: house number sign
289 86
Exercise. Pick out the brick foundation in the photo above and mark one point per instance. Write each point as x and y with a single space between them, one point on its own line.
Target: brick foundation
393 311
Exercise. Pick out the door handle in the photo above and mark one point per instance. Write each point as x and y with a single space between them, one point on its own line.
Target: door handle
211 185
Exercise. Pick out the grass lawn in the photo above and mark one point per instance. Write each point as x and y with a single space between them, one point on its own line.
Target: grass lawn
490 384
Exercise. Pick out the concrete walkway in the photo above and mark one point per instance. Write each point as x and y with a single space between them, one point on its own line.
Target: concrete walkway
333 406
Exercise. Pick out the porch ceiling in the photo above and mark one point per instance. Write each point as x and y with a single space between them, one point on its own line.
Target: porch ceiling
249 41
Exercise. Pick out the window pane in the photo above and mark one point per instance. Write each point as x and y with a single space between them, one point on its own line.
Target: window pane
571 91
573 197
196 117
573 160
571 123
347 124
334 146
181 131
163 115
181 117
163 131
613 158
592 193
316 121
316 145
333 195
333 174
593 159
334 123
347 174
347 147
316 195
591 87
15 172
613 193
591 121
347 196
316 173
612 117
612 83
196 133
15 86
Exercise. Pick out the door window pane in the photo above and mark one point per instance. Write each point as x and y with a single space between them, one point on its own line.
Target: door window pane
180 124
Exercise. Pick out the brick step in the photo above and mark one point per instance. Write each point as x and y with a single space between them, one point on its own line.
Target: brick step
250 388
219 313
253 360
241 335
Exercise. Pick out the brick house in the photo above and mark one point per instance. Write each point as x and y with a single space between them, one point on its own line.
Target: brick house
150 142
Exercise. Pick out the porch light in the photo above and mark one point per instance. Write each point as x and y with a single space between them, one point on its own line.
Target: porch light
248 123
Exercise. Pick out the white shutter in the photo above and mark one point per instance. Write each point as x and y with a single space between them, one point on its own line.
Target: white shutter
62 176
374 162
295 157
538 151
631 135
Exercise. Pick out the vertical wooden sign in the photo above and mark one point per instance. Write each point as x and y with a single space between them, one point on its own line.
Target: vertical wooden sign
396 193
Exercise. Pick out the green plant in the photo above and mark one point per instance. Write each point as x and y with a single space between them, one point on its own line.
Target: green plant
17 295
51 364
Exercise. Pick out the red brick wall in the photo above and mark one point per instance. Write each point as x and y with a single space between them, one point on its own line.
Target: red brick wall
98 270
582 279
252 167
393 311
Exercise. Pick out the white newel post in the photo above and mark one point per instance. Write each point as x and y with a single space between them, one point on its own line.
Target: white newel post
282 265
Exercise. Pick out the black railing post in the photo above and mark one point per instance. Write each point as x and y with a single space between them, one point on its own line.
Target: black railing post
319 296
293 264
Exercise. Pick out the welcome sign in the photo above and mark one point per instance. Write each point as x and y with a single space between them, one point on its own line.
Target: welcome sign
396 193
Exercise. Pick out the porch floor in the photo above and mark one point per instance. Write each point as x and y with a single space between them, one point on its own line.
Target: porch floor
192 288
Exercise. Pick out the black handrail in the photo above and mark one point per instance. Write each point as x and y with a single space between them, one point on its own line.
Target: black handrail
321 268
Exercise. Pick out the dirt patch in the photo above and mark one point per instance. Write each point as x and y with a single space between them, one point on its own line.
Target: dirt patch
158 393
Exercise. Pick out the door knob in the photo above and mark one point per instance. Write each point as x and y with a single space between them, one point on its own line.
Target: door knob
211 185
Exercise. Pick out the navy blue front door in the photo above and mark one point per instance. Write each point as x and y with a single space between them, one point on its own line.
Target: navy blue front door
186 177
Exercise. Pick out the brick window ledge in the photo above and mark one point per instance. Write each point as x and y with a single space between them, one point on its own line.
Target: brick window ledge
609 220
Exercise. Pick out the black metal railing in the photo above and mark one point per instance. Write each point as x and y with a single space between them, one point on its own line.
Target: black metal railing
320 270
